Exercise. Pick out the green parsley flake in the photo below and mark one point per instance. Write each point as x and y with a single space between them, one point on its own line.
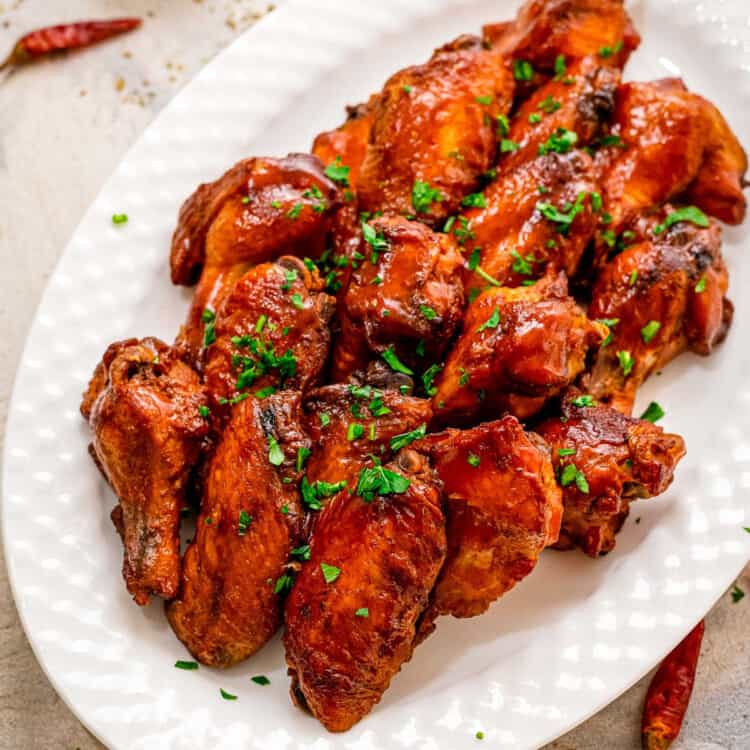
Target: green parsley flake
626 361
560 66
227 696
302 456
522 70
275 454
187 665
295 211
330 572
653 413
484 100
535 118
354 431
204 411
427 312
560 142
633 277
423 195
492 322
380 481
474 200
298 302
261 679
549 105
473 460
389 355
362 612
302 552
265 392
570 474
693 214
503 125
407 438
338 172
428 377
701 285
522 265
737 593
119 218
562 452
584 400
244 523
650 330
283 583
508 147
479 735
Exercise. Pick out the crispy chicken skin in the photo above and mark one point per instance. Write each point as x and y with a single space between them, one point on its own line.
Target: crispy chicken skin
662 296
143 407
382 413
411 293
516 241
435 124
619 458
260 209
519 347
389 552
544 29
271 330
503 508
670 141
249 521
578 102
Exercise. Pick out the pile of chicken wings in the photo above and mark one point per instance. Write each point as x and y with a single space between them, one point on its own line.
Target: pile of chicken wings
412 355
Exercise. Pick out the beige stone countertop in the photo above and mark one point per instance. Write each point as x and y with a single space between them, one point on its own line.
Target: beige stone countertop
64 125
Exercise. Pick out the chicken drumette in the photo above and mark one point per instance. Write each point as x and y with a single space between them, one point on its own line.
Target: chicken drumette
519 347
236 571
603 460
146 409
354 609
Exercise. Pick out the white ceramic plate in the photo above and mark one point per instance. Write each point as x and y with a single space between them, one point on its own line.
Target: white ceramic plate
564 643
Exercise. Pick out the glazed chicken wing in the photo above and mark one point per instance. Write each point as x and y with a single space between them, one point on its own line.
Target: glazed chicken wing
259 210
235 571
664 142
270 332
545 29
519 347
540 214
405 296
603 460
353 612
144 407
349 423
503 508
659 297
435 132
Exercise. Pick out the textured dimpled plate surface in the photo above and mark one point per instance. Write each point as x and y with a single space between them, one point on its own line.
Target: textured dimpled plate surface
568 640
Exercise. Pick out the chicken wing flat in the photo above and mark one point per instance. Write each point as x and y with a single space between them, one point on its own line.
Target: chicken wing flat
406 296
543 30
540 214
503 508
353 612
519 347
659 297
435 132
259 210
568 110
235 570
270 332
604 460
666 141
144 407
348 424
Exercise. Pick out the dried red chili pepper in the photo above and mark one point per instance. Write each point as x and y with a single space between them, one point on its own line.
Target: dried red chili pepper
66 36
669 693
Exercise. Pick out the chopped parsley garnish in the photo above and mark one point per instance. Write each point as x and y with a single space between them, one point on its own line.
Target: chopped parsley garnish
290 276
522 265
285 510
428 377
375 240
188 665
298 302
119 218
295 211
283 583
650 330
389 355
570 474
302 456
565 217
208 316
492 322
423 195
507 146
312 494
503 125
548 105
609 51
633 277
609 237
407 89
407 438
354 431
204 411
302 552
693 214
479 735
474 200
653 412
275 454
380 481
612 140
227 696
560 67
265 392
330 572
522 70
473 460
377 407
737 593
596 202
427 312
338 172
562 452
485 100
626 361
244 523
261 679
584 400
535 118
362 612
701 285
560 142
325 420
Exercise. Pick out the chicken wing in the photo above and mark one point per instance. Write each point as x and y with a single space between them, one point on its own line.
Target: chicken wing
539 215
666 141
519 347
406 296
348 424
435 132
503 508
353 612
604 460
259 210
236 569
659 297
146 410
270 332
